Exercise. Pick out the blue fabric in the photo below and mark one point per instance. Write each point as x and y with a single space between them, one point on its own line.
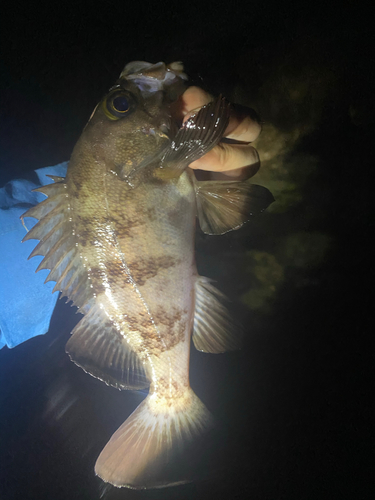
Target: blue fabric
26 303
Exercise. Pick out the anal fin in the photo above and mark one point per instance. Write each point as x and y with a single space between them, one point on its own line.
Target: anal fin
98 348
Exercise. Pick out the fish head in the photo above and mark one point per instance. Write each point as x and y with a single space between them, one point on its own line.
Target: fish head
132 127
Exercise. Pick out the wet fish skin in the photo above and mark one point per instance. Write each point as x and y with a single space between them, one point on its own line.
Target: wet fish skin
141 265
118 236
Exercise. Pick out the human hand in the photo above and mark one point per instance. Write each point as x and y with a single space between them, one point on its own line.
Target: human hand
234 159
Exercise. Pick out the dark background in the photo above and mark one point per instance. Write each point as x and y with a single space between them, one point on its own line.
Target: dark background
296 400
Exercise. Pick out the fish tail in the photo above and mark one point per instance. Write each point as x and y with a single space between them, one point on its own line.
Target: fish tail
146 451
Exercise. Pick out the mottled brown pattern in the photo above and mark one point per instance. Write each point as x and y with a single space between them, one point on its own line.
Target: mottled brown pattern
114 273
174 217
125 225
85 229
84 237
152 341
143 324
175 321
166 318
169 389
146 268
96 276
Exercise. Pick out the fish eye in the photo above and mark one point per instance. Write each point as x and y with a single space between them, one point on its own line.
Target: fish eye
118 104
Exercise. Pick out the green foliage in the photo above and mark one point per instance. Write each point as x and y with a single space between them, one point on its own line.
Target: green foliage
301 251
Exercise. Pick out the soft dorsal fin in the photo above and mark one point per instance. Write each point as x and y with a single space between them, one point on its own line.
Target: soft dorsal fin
98 348
214 330
226 205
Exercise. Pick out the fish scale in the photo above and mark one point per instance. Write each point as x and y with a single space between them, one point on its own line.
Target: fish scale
118 237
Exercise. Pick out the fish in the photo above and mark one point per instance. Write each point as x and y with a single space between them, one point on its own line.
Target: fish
117 234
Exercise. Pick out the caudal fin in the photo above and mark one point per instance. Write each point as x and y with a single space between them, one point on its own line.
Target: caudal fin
144 451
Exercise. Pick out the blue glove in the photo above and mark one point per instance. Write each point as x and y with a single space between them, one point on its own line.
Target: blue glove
26 303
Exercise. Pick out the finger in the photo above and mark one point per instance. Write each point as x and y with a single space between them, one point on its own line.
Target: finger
244 124
189 102
194 98
233 160
229 159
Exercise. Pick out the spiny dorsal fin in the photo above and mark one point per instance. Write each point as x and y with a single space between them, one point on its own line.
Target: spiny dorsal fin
226 205
57 244
101 351
214 330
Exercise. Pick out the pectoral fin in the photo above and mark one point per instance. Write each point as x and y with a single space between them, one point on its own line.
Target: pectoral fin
227 205
214 330
200 133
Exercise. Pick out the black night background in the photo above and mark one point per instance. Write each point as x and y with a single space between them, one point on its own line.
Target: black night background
295 402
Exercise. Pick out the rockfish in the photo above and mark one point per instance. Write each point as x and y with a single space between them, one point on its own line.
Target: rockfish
118 236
